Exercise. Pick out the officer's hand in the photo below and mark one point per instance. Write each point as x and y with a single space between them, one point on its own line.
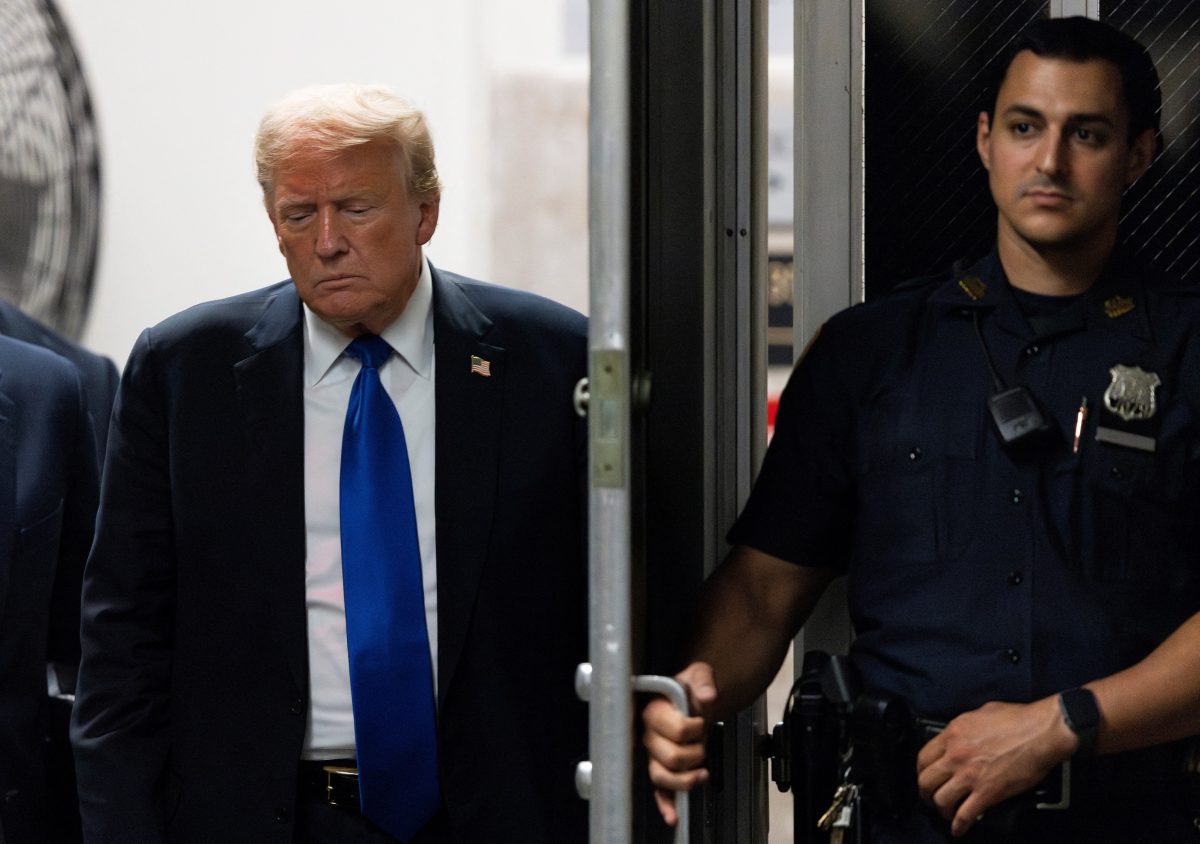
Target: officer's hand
676 742
990 754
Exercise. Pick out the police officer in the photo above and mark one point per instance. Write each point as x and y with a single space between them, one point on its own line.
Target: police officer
1005 462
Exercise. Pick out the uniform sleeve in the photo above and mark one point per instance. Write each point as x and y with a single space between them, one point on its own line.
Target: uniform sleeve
120 718
801 506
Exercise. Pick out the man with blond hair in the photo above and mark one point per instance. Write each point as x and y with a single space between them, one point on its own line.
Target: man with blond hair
338 587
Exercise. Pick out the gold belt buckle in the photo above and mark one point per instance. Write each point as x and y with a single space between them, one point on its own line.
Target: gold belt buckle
332 771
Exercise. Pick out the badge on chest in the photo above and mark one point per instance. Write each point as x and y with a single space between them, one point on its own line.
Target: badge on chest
1130 404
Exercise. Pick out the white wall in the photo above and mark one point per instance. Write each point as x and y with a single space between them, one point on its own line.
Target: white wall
179 87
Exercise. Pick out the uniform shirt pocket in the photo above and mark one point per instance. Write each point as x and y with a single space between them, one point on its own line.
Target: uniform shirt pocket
1137 522
917 490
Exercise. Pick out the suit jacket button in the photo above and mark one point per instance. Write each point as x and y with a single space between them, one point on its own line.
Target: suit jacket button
298 706
282 815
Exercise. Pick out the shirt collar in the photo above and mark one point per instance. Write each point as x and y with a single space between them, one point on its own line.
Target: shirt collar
1116 301
410 335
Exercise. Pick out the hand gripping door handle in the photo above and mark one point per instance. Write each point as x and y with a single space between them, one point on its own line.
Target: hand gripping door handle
672 690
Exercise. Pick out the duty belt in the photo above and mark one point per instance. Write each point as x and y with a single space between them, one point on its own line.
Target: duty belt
885 737
837 745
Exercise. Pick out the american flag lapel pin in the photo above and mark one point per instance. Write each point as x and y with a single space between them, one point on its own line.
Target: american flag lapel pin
480 366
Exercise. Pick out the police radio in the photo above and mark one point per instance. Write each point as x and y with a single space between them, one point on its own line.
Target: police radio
1014 411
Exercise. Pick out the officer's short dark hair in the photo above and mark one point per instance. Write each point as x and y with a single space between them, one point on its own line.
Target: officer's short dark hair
1080 39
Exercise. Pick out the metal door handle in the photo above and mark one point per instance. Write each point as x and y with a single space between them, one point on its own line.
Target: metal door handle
672 690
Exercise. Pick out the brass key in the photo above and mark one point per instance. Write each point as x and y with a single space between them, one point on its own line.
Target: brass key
845 795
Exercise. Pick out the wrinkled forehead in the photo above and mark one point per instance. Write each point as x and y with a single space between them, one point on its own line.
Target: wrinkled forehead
305 161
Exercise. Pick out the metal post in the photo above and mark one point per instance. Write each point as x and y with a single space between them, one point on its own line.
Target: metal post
829 208
606 682
611 691
1069 8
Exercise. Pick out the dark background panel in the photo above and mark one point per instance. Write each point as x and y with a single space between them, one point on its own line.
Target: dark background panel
1162 212
671 331
927 68
929 64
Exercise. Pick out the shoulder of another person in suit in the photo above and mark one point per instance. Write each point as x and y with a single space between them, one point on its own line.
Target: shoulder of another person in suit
35 370
17 324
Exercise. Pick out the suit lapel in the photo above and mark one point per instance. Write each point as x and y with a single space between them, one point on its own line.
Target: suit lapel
8 495
468 407
270 394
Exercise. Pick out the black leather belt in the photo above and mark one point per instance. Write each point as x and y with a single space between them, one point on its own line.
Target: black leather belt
332 781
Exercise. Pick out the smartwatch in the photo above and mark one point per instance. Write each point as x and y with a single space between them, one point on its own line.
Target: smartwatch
1082 715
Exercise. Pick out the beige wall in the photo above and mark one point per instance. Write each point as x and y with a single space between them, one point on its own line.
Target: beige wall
178 88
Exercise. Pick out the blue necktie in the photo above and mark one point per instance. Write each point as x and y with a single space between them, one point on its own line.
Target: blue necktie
391 677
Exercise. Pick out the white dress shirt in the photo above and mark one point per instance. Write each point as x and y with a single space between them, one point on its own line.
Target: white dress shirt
328 377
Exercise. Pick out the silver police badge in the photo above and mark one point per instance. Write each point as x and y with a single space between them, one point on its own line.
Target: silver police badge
1131 393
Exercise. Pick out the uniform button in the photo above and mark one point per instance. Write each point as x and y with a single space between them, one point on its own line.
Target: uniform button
298 706
1013 655
915 454
282 815
1014 578
1117 474
1017 496
1030 351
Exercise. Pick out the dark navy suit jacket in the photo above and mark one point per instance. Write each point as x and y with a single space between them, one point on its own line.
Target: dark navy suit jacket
98 373
193 689
48 488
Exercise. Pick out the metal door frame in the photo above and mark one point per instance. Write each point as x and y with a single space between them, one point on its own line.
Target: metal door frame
678 239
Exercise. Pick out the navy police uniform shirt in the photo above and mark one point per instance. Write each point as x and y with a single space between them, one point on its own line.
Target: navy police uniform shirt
976 572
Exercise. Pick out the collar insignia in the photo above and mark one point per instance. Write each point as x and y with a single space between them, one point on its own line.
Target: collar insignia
973 287
1131 393
1118 306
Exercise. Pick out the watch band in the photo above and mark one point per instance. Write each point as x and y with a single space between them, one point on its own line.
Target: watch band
1082 715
